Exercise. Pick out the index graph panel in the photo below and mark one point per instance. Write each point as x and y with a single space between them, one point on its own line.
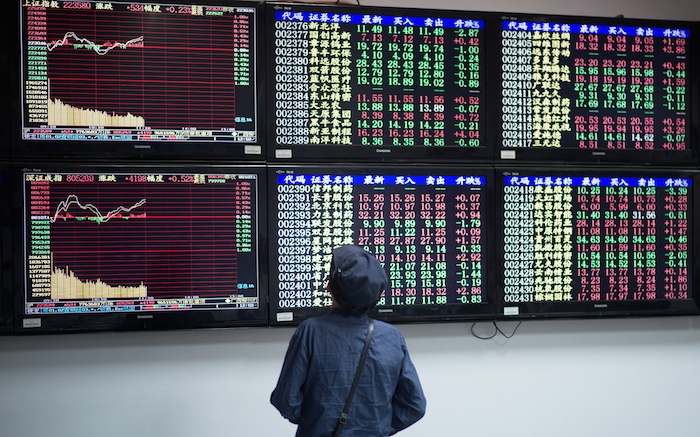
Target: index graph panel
101 242
127 71
427 230
594 86
596 239
377 78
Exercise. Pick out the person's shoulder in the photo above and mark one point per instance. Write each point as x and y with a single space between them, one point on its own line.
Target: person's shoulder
313 323
307 329
307 324
387 329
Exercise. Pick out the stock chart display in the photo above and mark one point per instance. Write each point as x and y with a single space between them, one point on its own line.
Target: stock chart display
592 238
381 78
595 86
118 71
103 242
429 232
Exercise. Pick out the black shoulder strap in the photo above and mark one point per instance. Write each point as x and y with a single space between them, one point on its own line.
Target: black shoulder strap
344 415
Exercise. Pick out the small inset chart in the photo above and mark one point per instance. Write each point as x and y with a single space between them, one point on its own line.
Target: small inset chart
96 71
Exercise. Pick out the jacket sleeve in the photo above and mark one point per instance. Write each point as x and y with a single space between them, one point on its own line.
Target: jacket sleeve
288 396
408 402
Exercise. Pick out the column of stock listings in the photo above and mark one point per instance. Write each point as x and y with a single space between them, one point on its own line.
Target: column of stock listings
593 86
427 230
355 78
591 238
381 79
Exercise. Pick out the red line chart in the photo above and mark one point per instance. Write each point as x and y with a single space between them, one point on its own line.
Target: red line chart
100 49
96 216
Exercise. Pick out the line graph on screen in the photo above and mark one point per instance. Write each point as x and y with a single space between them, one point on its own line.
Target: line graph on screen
129 69
100 49
105 244
121 212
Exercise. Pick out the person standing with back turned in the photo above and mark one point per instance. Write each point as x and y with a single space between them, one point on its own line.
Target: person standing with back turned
323 356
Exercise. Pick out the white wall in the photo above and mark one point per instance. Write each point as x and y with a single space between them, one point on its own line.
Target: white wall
563 378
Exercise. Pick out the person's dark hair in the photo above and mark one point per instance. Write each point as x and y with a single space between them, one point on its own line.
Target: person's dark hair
356 279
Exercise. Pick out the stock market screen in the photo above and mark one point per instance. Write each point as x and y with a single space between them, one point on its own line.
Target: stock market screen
428 230
124 72
601 87
607 240
128 241
390 82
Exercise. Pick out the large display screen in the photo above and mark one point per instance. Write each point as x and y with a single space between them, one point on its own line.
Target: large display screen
597 90
376 83
429 228
141 77
597 243
165 247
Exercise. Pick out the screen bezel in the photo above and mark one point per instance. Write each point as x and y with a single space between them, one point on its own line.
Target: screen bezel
283 153
513 156
662 307
6 295
98 150
142 320
401 314
5 92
